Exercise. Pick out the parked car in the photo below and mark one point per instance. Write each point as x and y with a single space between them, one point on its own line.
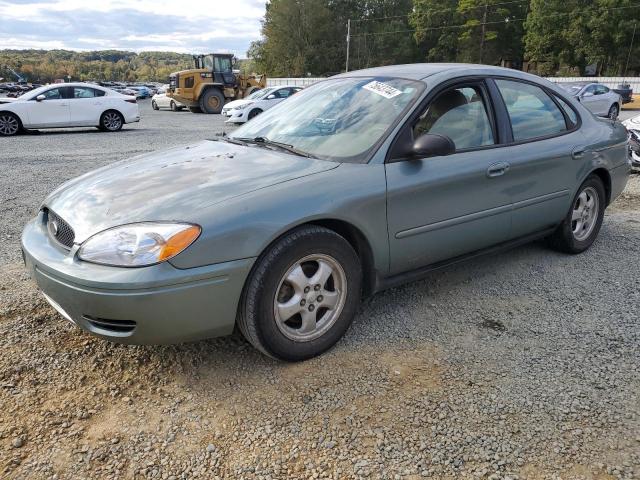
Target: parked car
633 127
67 105
160 100
359 182
243 110
625 91
142 92
599 99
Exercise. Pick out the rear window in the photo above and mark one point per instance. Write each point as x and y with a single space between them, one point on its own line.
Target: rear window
532 112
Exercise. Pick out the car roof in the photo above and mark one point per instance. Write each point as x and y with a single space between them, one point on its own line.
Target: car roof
420 71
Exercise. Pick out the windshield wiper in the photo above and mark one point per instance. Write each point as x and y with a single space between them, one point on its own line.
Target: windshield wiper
270 143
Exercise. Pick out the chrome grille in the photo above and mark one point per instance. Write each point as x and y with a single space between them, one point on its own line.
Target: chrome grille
60 230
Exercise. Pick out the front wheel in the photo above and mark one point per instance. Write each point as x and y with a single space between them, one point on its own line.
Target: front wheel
111 121
613 112
9 124
301 295
254 113
211 101
580 227
172 106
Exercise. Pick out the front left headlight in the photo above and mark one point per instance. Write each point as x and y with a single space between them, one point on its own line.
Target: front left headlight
243 106
138 244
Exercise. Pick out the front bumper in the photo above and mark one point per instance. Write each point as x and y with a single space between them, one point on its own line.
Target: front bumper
235 116
159 304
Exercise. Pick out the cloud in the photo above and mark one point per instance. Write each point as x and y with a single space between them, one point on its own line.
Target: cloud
196 27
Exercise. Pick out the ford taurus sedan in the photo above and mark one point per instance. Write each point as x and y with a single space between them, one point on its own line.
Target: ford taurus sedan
358 183
67 105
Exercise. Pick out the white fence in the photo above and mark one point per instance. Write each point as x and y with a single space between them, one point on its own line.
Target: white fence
611 82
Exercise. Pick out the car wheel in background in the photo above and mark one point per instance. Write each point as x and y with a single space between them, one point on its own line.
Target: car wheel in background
254 113
111 121
613 112
211 101
302 294
580 227
9 124
172 106
154 105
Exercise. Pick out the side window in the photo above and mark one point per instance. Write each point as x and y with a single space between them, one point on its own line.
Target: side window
98 93
53 94
284 92
83 92
573 118
601 89
591 89
532 112
460 114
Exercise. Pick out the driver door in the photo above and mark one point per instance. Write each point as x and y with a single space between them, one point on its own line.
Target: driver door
53 111
443 207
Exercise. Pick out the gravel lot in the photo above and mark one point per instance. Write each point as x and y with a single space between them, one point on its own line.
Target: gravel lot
521 365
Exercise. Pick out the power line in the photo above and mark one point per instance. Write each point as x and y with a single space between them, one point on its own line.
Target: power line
444 10
480 24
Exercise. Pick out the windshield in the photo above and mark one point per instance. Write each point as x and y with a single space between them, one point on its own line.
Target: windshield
339 119
260 93
36 91
572 88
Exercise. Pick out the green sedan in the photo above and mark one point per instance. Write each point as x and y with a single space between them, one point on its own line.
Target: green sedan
358 183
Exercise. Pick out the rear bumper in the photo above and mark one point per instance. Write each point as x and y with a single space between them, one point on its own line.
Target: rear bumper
159 304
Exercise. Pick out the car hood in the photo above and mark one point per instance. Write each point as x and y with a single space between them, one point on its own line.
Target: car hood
237 103
8 100
632 123
173 185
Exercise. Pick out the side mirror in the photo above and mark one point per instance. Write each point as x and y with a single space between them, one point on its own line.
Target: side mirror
271 97
433 145
40 98
587 94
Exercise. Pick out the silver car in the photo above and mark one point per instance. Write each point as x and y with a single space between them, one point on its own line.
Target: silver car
356 184
598 98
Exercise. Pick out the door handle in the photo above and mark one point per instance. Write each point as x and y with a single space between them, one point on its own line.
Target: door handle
497 169
578 153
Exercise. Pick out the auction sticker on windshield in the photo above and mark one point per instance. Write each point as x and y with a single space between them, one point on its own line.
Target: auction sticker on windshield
387 91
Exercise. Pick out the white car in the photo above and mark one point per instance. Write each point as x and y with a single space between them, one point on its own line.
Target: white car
160 100
240 111
67 105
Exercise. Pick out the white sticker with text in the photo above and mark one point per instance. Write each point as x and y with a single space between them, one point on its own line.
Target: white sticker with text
387 91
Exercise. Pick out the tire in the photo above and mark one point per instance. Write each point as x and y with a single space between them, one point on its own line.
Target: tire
579 229
299 255
211 101
172 106
613 112
111 121
254 113
154 105
10 124
195 110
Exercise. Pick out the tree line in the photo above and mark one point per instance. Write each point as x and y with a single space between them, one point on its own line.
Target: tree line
548 37
44 66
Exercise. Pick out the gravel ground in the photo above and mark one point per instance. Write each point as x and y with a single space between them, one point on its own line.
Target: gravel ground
522 365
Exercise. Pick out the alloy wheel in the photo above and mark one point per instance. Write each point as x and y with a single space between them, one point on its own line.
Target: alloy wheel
585 214
310 297
9 125
112 121
613 112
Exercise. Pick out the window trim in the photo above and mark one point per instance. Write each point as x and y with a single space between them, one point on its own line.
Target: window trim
458 82
503 111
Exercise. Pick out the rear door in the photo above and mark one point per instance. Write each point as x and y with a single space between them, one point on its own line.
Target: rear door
439 208
53 111
86 106
546 152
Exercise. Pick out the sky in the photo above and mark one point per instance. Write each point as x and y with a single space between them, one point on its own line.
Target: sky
189 26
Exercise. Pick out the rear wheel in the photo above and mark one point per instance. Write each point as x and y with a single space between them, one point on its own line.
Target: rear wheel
111 121
172 106
581 225
254 113
211 101
302 294
154 105
9 124
613 112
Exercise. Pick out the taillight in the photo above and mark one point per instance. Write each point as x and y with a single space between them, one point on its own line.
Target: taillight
131 100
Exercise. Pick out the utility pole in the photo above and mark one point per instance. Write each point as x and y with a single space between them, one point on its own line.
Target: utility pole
626 67
484 23
348 42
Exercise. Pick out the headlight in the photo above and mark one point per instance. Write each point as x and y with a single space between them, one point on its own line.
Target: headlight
243 106
138 244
